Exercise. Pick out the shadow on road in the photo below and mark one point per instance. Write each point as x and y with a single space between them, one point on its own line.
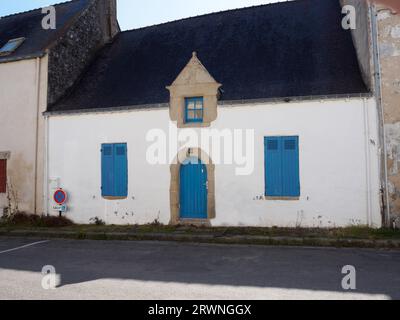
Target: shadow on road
378 272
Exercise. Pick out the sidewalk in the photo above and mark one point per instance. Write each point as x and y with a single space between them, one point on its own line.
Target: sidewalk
348 237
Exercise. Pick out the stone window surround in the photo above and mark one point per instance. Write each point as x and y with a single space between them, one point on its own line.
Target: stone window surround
194 81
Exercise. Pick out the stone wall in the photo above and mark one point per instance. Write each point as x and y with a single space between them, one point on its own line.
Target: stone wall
388 40
362 39
72 52
389 47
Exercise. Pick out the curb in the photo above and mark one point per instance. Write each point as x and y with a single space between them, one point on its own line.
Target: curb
209 238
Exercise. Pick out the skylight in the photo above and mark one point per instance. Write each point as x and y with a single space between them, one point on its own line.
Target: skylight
11 46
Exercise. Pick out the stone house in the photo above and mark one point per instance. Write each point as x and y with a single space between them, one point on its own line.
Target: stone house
272 115
250 117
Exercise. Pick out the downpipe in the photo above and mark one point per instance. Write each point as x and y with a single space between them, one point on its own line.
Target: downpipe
381 117
38 67
46 166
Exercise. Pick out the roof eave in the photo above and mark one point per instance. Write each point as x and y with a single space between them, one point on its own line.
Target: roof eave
35 55
158 106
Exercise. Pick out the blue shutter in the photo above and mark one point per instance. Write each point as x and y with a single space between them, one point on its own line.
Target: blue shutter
282 167
114 170
107 170
290 167
273 168
120 170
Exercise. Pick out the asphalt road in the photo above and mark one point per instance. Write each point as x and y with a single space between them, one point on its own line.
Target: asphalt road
164 270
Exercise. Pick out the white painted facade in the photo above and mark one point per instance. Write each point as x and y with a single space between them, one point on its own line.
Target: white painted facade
23 99
339 165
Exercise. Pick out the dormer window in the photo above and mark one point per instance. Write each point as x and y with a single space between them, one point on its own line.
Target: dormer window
194 96
11 46
194 111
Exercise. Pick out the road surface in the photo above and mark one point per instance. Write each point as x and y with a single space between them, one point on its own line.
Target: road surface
166 270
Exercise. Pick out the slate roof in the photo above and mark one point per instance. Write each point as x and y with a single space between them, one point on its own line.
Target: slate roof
287 49
29 25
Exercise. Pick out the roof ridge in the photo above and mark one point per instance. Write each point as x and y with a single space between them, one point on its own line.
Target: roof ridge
32 10
213 13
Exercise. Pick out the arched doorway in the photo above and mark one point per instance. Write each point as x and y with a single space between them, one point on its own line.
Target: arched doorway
193 189
204 161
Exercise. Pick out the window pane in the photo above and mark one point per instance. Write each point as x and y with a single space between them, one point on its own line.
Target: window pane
191 114
191 105
194 109
8 47
11 46
198 114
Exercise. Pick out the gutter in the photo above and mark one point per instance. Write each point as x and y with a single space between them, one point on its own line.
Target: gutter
381 117
46 166
221 103
297 99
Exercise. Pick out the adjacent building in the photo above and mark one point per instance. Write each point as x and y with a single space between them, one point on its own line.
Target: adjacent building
377 41
37 66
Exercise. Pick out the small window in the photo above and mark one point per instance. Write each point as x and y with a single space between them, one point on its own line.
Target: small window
3 176
282 178
11 46
194 110
114 170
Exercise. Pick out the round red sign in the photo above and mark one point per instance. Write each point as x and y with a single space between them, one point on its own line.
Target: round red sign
60 196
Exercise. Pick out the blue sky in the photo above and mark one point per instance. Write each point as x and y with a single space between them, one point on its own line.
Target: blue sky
139 13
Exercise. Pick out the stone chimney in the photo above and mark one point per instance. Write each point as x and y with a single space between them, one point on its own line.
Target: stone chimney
108 16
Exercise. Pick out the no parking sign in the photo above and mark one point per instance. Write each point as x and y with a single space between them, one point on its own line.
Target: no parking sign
60 198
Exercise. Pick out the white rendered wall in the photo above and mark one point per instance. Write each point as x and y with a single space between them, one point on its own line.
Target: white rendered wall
23 93
338 165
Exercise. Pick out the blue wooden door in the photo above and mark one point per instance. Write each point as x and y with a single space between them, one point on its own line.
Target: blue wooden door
193 189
